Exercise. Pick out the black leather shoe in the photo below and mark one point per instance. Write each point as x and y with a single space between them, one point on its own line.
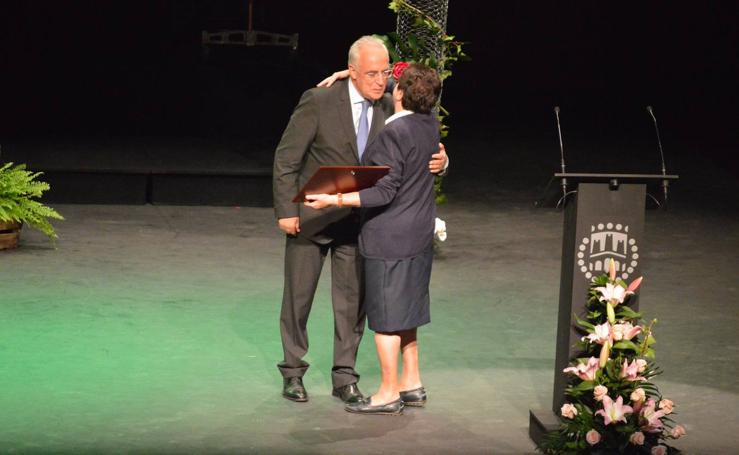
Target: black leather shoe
293 389
394 408
348 394
415 397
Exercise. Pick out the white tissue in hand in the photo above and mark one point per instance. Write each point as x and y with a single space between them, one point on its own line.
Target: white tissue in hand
440 229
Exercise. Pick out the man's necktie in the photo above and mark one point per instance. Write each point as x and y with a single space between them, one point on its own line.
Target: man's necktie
363 129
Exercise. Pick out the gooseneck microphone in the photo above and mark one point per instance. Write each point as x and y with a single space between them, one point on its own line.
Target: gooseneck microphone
665 183
561 152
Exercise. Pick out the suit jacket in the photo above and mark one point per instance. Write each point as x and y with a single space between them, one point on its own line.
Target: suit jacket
320 133
398 211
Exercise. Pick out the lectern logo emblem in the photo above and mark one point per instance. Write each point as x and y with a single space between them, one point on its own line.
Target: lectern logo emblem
608 241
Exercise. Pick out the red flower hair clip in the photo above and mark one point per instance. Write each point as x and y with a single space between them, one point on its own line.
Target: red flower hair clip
398 69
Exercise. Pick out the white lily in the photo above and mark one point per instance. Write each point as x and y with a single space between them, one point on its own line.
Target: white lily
612 293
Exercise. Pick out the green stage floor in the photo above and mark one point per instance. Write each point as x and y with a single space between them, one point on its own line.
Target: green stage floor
154 329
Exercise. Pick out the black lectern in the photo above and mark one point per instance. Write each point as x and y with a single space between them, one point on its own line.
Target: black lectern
603 220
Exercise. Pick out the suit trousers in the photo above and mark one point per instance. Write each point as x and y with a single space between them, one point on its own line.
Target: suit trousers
303 263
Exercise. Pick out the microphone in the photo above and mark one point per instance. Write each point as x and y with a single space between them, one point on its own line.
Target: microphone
665 183
651 112
561 153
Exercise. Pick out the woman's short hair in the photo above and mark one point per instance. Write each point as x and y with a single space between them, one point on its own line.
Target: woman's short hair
421 87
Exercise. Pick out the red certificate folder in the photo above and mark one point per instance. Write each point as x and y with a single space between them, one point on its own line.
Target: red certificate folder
341 179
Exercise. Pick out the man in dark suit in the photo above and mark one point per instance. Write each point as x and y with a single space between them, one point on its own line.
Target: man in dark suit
329 127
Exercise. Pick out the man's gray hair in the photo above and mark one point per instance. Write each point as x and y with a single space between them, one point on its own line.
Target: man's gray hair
367 40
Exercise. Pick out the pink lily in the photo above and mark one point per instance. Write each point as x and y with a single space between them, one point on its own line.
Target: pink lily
585 371
612 270
605 352
652 422
612 293
614 412
625 331
630 371
634 285
601 334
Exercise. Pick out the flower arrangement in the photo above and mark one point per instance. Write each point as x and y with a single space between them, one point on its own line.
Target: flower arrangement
613 407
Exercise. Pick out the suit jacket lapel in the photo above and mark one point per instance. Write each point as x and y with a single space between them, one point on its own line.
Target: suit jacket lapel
345 117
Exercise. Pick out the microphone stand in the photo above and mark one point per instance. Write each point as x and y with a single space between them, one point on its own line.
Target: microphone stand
665 183
563 183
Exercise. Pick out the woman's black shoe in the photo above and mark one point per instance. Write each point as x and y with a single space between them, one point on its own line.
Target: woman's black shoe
415 397
394 408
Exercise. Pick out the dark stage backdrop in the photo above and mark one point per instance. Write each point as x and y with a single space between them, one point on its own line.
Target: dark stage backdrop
135 68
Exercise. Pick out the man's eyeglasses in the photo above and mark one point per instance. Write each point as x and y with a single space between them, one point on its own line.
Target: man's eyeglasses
372 75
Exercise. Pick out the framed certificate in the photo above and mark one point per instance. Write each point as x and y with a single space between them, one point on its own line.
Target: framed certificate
341 179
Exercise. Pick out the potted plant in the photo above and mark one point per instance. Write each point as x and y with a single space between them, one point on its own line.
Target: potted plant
19 191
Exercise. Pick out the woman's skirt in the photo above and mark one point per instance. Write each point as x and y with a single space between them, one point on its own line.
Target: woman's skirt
396 295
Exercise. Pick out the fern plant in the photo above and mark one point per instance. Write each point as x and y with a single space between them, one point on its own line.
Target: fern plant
19 191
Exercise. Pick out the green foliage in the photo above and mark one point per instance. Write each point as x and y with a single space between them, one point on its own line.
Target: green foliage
414 49
440 196
19 190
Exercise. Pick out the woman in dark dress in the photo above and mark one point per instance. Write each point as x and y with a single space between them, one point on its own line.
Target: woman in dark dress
396 239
